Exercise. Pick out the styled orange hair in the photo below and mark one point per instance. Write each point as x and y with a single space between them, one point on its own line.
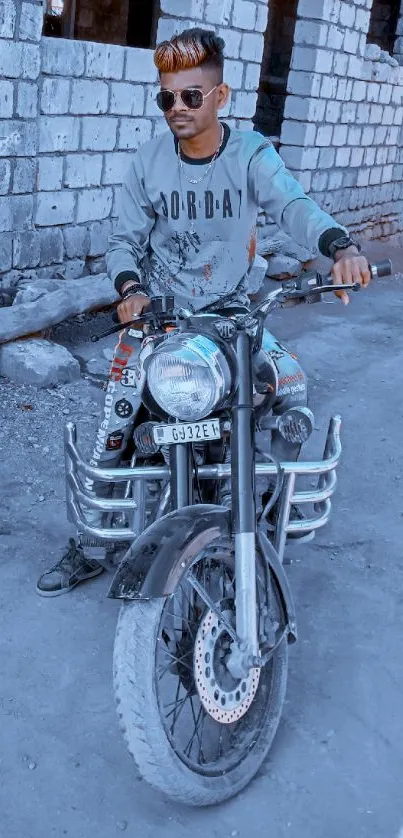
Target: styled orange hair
191 48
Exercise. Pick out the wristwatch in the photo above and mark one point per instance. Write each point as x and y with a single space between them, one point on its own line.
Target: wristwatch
342 243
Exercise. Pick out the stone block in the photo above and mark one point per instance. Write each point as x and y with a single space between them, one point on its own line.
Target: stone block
335 37
76 242
347 15
293 133
26 250
326 158
257 275
385 93
262 18
83 170
16 213
49 173
348 112
234 73
151 108
252 76
5 176
6 252
55 208
7 18
320 181
368 135
218 13
340 64
51 246
354 67
398 116
304 84
252 46
328 88
244 15
94 204
31 22
115 167
24 175
89 97
381 156
388 115
344 89
303 109
10 59
38 362
74 268
30 61
333 111
244 105
183 8
127 99
6 99
99 237
232 41
375 116
55 96
387 174
359 91
104 61
311 33
59 133
62 57
27 100
320 10
282 267
310 58
299 158
373 91
362 18
363 113
343 157
140 65
324 135
375 176
134 132
99 133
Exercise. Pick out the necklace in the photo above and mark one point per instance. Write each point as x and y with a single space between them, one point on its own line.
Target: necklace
195 181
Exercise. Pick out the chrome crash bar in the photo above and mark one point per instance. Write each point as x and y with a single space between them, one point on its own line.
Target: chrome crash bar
80 501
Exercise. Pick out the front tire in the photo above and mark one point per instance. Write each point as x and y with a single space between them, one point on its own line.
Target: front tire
140 634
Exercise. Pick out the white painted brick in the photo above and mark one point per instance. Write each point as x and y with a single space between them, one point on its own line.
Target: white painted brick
335 37
16 213
329 87
381 155
320 181
380 134
226 110
363 113
362 19
363 177
368 135
89 97
392 154
354 135
369 157
304 84
324 135
375 175
310 33
312 110
373 91
293 133
234 73
351 42
252 76
327 157
244 15
340 64
343 157
244 105
116 167
385 93
244 125
398 117
54 208
94 204
159 127
320 9
340 135
140 65
26 250
308 58
6 99
151 107
362 43
252 46
76 241
348 112
99 133
17 139
99 237
218 13
359 91
83 170
31 22
357 155
104 61
7 18
55 96
347 14
10 59
58 133
354 67
62 57
388 115
335 180
24 175
134 132
344 89
127 99
262 18
49 173
304 179
27 100
375 116
30 61
387 174
5 178
299 158
232 42
183 8
333 111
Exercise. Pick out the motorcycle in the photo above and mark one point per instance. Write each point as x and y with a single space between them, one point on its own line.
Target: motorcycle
201 649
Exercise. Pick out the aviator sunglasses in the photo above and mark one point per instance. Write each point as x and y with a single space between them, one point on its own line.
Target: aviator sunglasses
192 98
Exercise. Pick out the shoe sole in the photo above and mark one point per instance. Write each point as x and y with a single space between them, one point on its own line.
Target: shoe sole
62 591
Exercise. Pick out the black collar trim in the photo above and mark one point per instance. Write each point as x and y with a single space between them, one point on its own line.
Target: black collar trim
203 161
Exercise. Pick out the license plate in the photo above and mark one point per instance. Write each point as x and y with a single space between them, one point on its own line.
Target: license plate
191 432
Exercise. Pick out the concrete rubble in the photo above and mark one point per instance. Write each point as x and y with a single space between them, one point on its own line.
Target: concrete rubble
38 362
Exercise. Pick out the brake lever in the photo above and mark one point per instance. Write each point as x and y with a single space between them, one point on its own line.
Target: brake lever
115 329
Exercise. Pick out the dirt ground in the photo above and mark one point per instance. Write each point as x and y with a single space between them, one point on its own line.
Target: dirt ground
337 763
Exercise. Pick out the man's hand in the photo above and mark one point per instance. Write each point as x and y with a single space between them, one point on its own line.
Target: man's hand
349 268
132 307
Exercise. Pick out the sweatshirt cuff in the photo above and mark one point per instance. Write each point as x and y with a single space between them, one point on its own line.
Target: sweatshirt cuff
125 276
328 237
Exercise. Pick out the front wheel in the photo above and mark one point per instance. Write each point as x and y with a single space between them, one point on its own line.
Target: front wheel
196 733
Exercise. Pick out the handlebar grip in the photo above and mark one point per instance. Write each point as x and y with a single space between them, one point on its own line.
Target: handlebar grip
380 269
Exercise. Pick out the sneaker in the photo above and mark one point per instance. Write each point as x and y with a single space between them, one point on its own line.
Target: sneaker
74 567
296 514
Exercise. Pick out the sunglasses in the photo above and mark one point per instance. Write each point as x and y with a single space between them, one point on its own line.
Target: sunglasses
192 98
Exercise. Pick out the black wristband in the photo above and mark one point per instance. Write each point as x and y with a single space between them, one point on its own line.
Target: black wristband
126 276
327 238
136 288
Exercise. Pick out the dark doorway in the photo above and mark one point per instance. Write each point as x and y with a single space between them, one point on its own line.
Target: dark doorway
383 24
131 23
279 42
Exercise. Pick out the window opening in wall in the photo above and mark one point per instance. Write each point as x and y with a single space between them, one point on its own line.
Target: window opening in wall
128 22
278 46
383 24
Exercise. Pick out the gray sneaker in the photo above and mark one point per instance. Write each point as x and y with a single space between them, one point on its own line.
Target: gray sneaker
74 567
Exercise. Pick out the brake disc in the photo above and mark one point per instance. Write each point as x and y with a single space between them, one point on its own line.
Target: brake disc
225 698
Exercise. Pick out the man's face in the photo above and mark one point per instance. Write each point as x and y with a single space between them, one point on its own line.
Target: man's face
184 122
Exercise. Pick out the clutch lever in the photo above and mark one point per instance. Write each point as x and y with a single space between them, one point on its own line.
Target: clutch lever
119 328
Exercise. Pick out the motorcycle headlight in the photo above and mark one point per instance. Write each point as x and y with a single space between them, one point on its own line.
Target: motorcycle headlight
188 376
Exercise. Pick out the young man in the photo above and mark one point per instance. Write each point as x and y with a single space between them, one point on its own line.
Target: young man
187 227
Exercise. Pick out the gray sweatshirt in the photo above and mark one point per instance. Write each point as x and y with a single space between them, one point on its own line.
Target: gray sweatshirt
197 241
